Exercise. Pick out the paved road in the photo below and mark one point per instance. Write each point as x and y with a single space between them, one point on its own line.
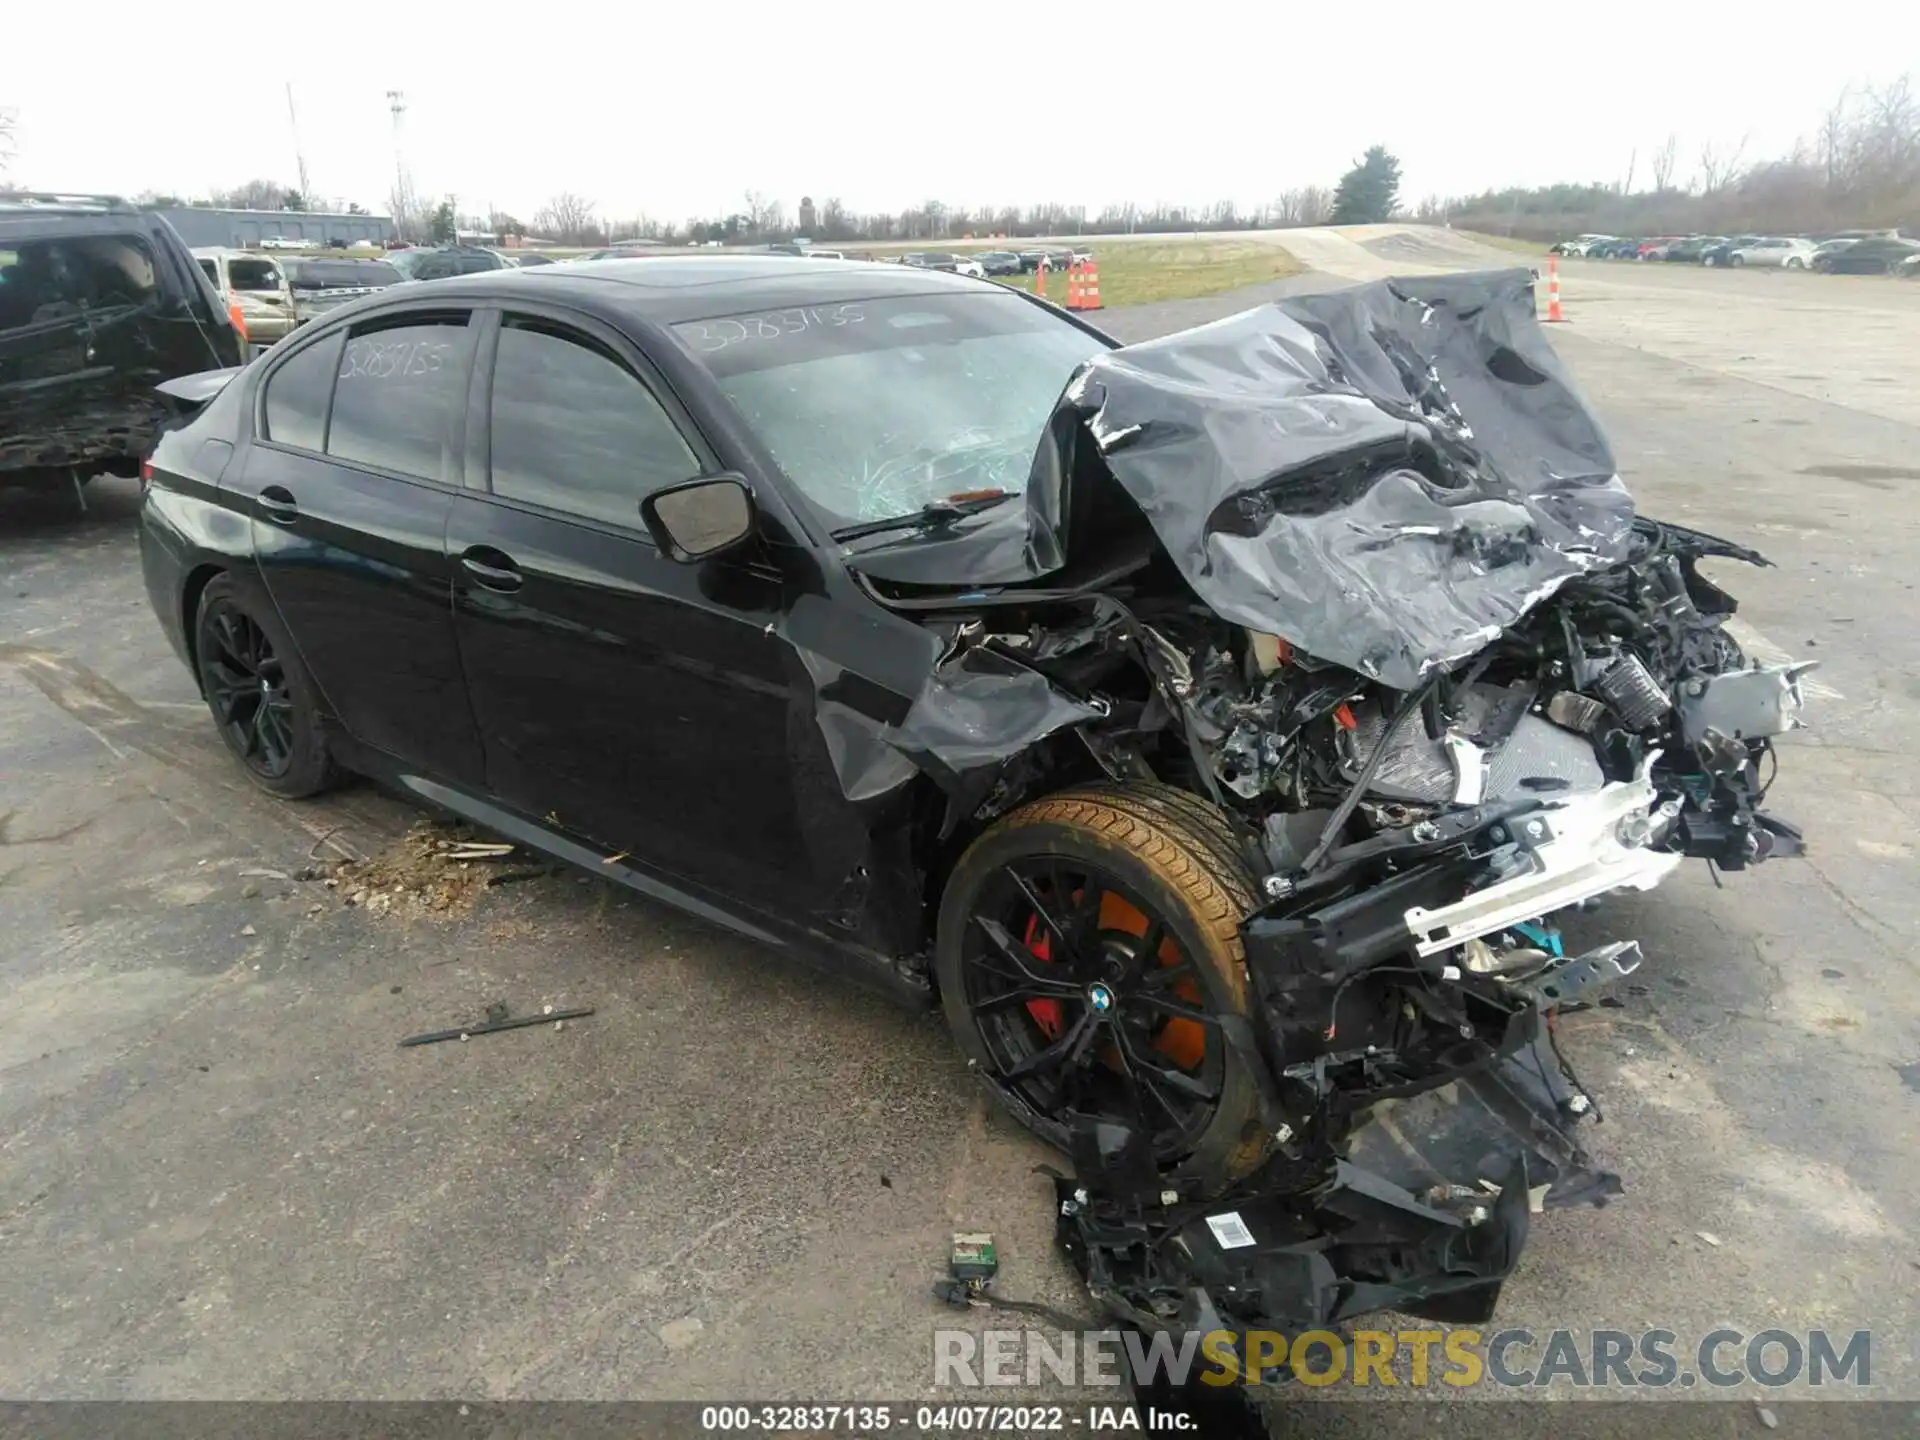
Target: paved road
220 1177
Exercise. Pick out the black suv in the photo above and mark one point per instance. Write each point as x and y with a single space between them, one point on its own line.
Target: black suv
442 262
99 302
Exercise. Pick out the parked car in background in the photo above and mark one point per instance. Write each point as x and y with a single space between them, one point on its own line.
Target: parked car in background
100 301
1877 255
1832 247
1720 254
284 242
1910 268
442 261
1581 245
1692 248
526 259
1656 249
930 260
1620 249
825 255
999 262
1781 252
319 283
968 265
254 290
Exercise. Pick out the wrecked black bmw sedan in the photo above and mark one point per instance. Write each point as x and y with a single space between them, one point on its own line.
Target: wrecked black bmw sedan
1215 726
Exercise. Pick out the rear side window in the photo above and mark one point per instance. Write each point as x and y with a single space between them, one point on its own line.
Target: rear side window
399 397
575 430
255 275
297 395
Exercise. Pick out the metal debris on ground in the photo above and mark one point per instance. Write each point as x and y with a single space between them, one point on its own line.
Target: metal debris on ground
497 1019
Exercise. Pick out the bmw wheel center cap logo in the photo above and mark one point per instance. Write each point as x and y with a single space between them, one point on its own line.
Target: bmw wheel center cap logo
1100 997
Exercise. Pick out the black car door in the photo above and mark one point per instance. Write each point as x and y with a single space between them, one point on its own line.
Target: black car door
351 478
636 701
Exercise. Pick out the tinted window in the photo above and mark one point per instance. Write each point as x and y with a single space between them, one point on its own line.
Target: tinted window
400 395
575 430
297 394
253 275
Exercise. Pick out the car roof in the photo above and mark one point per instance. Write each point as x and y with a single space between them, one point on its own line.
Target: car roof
668 290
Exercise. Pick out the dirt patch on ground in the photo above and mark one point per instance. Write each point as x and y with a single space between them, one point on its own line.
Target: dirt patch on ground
438 869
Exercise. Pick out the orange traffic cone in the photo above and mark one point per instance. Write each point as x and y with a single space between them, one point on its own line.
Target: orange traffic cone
1089 287
1554 317
1040 278
1073 285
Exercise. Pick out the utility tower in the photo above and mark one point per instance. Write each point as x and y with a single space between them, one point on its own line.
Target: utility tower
402 185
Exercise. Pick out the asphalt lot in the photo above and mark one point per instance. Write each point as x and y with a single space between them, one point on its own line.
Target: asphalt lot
222 1178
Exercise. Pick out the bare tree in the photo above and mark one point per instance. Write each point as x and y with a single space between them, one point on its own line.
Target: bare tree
412 216
1717 170
567 218
1664 159
1633 157
1834 144
9 124
1316 205
254 195
833 219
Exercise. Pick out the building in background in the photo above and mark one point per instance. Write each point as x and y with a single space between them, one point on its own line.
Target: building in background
252 229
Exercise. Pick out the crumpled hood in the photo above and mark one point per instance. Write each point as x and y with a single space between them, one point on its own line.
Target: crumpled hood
1387 476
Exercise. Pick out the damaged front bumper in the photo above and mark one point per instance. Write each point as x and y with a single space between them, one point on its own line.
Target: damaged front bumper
1562 857
1422 1111
1425 1212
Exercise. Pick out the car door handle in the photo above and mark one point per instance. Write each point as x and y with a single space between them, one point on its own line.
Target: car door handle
491 569
278 505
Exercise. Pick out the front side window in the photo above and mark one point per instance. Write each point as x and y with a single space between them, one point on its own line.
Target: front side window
399 396
297 394
574 430
876 408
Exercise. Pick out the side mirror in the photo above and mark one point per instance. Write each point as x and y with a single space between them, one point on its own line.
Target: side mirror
701 518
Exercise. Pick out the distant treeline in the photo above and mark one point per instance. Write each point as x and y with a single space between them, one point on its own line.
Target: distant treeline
1860 170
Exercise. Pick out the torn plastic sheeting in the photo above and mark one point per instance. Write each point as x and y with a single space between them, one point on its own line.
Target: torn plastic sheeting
977 709
980 709
1388 475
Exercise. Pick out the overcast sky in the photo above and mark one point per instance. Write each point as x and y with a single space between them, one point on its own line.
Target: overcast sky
673 112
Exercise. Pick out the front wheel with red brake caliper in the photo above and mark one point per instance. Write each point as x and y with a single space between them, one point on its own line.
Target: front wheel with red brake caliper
1088 947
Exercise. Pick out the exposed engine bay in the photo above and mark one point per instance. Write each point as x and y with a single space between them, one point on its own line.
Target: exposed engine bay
1398 621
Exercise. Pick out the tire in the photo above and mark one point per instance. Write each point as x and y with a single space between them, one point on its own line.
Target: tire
1735 261
1135 854
1795 263
263 702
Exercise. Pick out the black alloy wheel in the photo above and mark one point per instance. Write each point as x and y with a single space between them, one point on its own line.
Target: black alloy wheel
260 696
1088 949
247 688
1085 1001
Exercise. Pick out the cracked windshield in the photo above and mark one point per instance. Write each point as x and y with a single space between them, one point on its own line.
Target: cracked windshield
877 408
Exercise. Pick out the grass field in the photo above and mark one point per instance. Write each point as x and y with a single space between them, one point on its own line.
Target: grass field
1138 272
1508 242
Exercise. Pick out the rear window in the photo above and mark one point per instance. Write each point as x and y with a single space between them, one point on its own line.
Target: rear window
43 280
874 408
254 275
341 274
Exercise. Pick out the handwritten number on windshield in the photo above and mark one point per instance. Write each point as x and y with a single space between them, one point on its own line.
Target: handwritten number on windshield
707 336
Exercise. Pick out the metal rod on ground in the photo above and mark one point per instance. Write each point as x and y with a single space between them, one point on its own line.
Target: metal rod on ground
434 1037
